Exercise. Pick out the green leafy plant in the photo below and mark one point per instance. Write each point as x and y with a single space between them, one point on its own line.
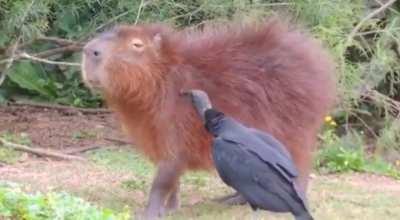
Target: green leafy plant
32 78
16 204
340 154
389 137
344 154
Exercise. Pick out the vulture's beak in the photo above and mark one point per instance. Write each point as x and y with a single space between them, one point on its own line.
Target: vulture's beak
200 101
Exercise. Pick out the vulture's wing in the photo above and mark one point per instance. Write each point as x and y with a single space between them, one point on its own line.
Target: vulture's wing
268 154
271 140
226 155
286 191
266 147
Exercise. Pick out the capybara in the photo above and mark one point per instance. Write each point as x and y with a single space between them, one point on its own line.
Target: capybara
268 75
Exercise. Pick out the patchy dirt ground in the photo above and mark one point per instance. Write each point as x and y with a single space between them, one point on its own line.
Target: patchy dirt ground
116 176
59 129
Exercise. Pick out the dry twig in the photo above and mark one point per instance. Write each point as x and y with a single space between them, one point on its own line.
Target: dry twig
396 48
39 151
3 74
58 50
62 107
393 105
51 52
66 46
357 28
38 59
81 149
119 141
59 41
141 5
365 19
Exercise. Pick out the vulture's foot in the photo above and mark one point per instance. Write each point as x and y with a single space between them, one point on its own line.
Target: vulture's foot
233 199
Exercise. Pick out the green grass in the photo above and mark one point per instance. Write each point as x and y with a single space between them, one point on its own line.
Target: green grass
9 155
79 135
121 159
330 197
118 180
126 160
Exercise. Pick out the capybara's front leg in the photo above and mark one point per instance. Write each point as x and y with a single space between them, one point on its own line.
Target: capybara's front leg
172 203
164 190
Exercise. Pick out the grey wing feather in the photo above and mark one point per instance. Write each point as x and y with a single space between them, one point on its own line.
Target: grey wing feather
269 139
222 158
282 158
282 164
265 147
286 192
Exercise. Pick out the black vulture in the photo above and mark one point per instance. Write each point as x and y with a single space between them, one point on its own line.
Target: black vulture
252 162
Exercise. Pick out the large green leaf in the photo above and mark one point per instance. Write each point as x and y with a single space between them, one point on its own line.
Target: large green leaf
29 77
2 98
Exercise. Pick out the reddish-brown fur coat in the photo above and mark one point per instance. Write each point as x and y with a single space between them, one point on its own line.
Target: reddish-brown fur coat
266 75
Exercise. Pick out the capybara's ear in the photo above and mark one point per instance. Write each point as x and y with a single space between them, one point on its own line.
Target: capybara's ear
157 40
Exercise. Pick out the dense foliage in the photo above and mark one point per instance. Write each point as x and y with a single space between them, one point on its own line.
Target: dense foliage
363 35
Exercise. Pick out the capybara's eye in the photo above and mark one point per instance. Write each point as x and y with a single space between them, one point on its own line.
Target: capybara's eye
137 44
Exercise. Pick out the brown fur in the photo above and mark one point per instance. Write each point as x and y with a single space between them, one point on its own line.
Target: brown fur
266 75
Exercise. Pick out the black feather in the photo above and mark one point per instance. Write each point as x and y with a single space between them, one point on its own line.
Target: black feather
256 165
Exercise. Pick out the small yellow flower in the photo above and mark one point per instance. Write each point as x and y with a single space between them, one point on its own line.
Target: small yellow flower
333 123
328 119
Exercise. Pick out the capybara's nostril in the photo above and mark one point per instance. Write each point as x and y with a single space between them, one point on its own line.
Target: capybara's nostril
90 51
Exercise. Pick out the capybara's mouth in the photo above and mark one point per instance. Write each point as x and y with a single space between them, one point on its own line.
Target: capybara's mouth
88 75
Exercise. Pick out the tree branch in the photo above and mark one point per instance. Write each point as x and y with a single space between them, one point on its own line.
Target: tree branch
51 52
393 105
59 41
356 29
39 57
41 60
39 151
112 20
365 19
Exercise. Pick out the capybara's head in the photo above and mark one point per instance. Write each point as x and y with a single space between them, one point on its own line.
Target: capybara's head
124 60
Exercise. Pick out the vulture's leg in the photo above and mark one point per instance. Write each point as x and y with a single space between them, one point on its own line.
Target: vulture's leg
233 199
